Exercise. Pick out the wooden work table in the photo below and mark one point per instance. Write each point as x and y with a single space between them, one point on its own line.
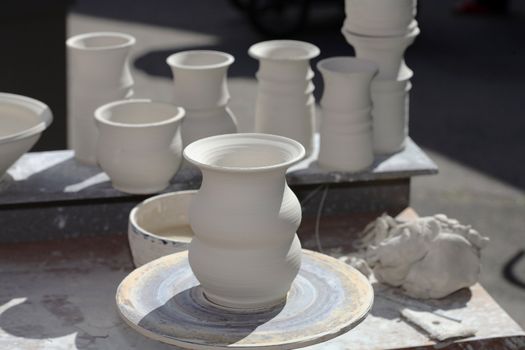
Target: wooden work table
59 295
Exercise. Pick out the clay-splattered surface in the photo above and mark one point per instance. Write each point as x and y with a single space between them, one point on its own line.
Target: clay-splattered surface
60 295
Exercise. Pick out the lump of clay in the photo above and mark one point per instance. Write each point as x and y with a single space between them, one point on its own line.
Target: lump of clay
430 257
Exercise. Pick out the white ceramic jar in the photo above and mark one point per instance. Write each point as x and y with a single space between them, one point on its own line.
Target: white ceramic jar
22 121
200 86
98 73
285 104
245 252
390 115
385 18
387 52
346 121
160 226
139 144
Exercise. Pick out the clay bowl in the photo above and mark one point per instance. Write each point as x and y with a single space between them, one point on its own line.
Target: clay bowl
22 120
160 226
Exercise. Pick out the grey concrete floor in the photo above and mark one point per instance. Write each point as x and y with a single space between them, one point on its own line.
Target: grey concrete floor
466 104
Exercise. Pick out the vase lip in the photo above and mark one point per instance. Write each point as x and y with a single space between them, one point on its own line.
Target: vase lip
101 113
76 40
40 109
265 49
197 151
347 65
225 59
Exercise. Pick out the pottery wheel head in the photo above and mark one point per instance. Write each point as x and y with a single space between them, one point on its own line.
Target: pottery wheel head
163 301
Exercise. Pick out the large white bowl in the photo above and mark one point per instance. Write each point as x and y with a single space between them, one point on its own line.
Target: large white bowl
160 226
22 120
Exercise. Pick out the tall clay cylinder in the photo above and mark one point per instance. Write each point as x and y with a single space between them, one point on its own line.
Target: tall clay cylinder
245 252
285 103
200 86
98 73
346 140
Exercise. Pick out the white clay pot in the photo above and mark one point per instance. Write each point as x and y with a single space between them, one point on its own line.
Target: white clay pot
390 114
346 146
245 252
98 73
401 84
22 121
200 86
139 144
361 116
285 92
387 52
284 60
160 226
346 83
380 17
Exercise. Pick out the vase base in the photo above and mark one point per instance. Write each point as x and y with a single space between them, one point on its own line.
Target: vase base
162 300
139 190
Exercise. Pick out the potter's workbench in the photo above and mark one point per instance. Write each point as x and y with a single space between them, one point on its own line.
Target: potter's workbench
59 295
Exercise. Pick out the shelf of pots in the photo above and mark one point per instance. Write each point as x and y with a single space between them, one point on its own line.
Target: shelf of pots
69 198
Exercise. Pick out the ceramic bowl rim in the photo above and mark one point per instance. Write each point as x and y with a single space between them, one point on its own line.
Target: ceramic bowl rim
228 59
239 137
133 213
363 66
313 51
72 42
98 115
37 107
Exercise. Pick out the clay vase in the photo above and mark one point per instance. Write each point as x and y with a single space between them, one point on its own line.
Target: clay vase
384 18
245 252
200 87
285 103
139 144
390 114
387 52
98 73
346 140
22 121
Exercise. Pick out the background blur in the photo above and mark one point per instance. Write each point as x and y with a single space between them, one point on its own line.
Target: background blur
467 104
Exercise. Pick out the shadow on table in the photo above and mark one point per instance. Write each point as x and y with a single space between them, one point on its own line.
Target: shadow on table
186 310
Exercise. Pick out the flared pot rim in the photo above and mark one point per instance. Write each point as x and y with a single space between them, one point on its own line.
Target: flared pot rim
38 108
73 42
259 50
347 65
197 151
227 60
100 114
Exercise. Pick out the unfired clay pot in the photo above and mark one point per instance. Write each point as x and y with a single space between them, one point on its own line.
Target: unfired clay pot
285 104
385 18
200 86
139 144
387 52
160 226
22 120
346 124
245 252
98 73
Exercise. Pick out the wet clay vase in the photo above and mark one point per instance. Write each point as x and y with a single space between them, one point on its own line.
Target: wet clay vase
285 103
98 73
245 252
346 140
139 144
22 121
200 87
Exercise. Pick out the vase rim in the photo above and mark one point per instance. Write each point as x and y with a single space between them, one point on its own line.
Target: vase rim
265 49
198 152
225 59
35 107
175 113
76 40
347 65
